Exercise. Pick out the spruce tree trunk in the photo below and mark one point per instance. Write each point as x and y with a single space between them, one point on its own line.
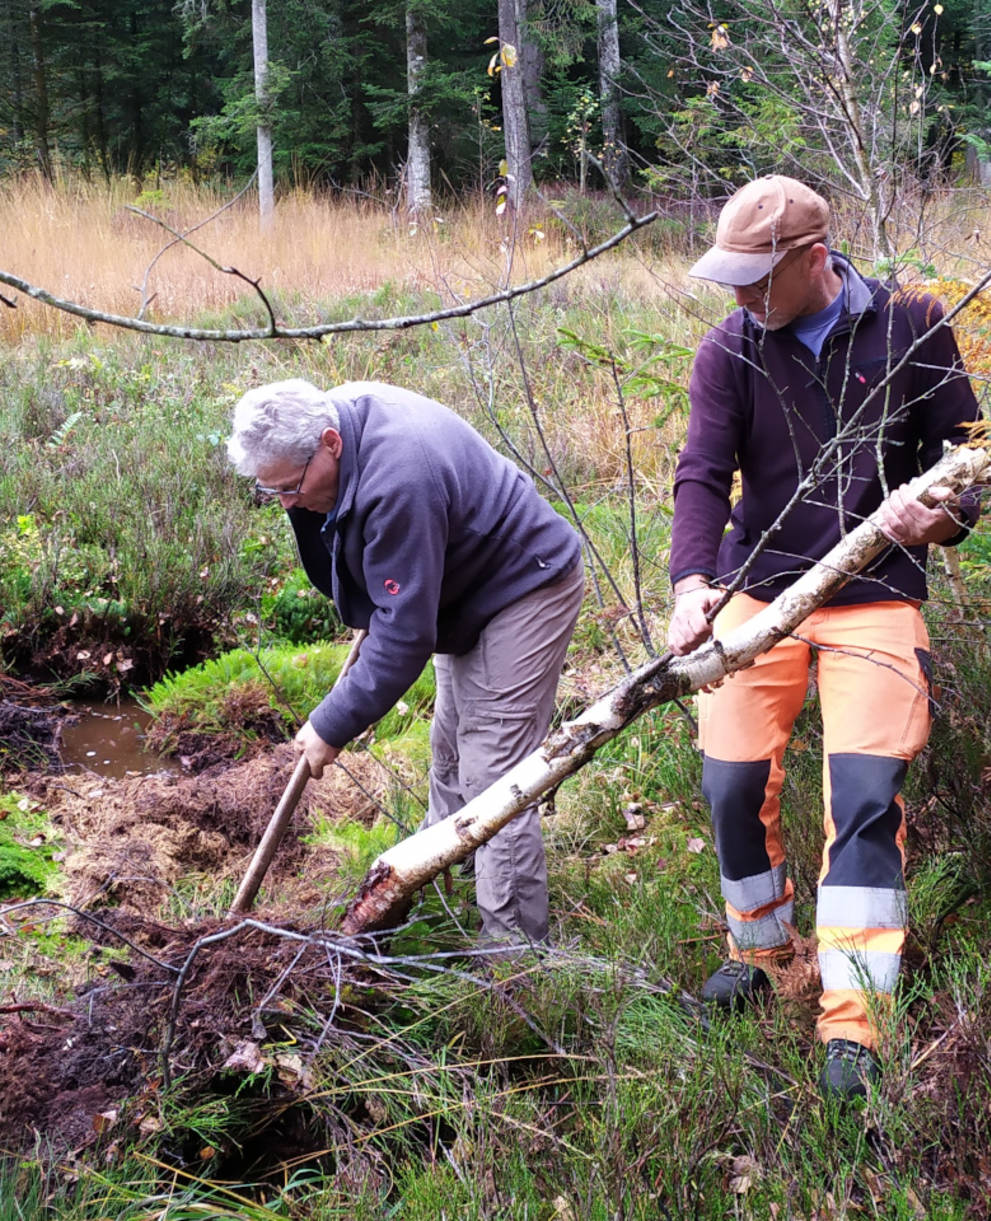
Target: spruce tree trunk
615 160
516 128
41 109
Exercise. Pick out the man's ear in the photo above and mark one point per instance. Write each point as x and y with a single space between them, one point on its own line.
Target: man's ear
818 255
332 439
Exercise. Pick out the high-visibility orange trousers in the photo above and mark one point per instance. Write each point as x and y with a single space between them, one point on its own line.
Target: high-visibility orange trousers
872 666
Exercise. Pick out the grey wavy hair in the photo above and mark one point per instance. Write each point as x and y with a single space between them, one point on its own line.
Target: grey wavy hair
280 422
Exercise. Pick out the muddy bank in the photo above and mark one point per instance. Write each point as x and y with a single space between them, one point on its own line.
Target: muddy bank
128 841
30 735
87 1067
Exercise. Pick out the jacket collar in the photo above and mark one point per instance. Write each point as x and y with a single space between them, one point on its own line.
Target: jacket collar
351 426
861 294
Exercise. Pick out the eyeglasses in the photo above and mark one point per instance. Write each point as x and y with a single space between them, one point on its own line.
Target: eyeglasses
262 490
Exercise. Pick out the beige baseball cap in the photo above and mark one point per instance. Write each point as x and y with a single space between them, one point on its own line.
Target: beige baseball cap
758 226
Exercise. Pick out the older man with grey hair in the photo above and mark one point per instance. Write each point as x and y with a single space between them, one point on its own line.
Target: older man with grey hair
435 544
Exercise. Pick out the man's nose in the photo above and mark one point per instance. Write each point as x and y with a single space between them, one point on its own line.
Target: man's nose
751 294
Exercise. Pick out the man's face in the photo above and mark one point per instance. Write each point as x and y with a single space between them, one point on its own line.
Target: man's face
312 485
789 292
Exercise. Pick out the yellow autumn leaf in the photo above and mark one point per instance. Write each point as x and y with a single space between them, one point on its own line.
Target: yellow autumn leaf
915 27
938 10
508 55
746 73
712 88
720 38
503 168
494 65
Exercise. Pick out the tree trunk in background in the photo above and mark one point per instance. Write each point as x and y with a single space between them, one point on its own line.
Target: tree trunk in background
418 200
259 39
12 65
388 888
516 129
873 187
532 61
41 115
615 161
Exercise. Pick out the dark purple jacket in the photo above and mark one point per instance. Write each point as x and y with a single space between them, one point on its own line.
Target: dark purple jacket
434 534
761 404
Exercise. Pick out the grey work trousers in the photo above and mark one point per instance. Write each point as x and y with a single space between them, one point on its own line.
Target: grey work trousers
493 707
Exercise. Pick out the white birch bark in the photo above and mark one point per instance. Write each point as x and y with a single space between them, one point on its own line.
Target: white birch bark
418 198
259 41
390 884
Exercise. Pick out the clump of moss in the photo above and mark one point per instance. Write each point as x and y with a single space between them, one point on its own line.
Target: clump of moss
27 848
280 685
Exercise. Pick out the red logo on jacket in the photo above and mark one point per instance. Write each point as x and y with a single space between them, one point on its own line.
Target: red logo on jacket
391 586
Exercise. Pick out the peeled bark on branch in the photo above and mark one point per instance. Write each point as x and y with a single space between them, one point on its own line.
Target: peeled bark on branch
390 884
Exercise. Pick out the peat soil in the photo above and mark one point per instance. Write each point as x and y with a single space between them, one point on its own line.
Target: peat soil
88 1041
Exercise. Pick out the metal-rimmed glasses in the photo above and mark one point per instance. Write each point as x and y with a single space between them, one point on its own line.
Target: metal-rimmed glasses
262 490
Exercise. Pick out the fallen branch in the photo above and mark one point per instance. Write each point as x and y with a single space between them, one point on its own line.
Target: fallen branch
274 331
390 884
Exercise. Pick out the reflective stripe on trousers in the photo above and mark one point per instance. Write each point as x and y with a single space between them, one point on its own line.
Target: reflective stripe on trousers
872 665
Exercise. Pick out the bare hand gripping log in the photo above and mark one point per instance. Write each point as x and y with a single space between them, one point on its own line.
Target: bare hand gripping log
388 887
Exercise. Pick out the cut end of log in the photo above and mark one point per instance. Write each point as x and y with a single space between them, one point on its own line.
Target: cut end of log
379 903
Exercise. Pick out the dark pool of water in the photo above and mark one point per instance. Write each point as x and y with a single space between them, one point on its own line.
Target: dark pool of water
109 739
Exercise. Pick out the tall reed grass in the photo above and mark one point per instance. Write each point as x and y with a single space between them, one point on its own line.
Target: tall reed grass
100 245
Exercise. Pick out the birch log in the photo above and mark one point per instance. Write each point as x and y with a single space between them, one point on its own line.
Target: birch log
390 884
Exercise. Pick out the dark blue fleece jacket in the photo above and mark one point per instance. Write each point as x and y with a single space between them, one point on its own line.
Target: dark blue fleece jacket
434 534
761 404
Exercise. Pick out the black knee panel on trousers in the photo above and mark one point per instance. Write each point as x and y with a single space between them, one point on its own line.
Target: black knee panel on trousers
735 793
866 817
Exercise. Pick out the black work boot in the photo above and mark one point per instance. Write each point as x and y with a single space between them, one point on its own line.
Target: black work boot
850 1067
734 986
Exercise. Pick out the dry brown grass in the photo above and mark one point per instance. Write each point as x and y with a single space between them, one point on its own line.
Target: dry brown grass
85 243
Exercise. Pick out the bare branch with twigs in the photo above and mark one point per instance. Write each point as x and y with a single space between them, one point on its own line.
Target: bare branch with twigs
275 331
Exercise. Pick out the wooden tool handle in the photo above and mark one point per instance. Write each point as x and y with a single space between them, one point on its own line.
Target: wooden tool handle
283 812
271 839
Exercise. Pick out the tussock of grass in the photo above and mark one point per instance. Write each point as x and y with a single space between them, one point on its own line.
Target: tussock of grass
210 697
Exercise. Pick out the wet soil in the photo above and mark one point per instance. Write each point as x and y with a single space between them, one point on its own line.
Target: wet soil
90 1070
87 1067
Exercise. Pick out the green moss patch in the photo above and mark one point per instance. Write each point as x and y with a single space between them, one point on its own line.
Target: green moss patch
27 848
282 685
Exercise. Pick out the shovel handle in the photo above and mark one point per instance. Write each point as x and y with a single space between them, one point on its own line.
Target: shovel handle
271 839
277 824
